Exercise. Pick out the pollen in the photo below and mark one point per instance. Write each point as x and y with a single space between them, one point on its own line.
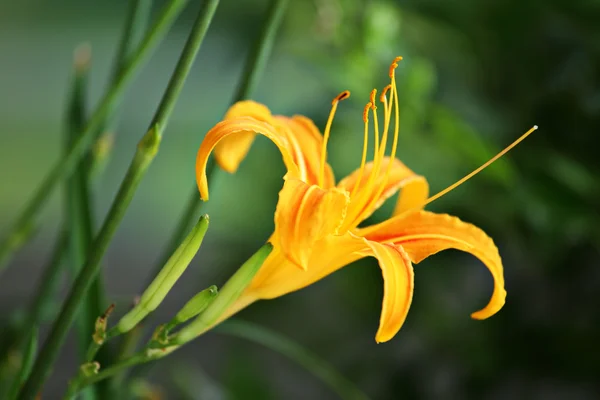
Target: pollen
394 65
372 99
366 112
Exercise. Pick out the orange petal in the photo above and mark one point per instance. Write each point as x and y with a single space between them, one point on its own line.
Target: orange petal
230 151
229 127
423 233
414 189
279 276
305 214
309 140
398 284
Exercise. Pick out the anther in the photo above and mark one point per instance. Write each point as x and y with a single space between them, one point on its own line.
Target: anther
394 65
366 112
372 99
384 92
342 96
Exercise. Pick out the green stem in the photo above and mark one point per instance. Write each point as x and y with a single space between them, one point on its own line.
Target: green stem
146 151
77 199
57 335
253 70
14 239
342 386
78 206
26 363
136 23
80 384
138 16
259 55
47 287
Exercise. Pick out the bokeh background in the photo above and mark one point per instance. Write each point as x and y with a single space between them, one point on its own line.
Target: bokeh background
475 76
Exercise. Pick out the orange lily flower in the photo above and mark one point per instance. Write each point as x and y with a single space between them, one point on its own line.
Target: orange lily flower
316 221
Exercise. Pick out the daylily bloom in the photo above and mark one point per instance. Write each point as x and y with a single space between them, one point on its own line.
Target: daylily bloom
316 220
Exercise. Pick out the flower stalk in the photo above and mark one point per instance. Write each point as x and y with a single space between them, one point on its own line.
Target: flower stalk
145 153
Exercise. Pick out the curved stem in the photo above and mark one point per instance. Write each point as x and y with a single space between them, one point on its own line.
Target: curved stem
342 386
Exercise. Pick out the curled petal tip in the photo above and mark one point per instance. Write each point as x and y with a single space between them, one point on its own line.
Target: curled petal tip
491 309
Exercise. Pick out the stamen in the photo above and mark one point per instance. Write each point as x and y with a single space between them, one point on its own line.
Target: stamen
375 123
466 178
387 109
342 96
365 146
396 131
394 103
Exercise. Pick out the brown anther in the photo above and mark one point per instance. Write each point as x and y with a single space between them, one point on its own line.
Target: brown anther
108 311
394 65
342 96
366 112
384 92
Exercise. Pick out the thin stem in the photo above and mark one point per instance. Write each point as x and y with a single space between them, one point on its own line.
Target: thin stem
46 288
253 70
77 199
16 234
146 151
259 55
136 23
136 359
61 327
27 361
342 386
137 19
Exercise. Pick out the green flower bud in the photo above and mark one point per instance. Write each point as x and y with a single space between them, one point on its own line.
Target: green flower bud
226 297
195 306
166 278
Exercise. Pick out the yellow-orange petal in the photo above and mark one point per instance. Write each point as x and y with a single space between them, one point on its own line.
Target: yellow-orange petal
423 233
231 151
414 189
305 214
309 140
398 286
279 276
233 126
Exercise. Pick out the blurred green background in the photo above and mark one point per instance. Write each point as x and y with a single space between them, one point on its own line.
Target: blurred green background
475 76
